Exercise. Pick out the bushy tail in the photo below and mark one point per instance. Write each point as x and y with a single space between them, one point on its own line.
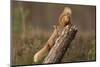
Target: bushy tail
42 53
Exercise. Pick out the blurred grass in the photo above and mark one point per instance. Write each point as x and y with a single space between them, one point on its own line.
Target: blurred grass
92 52
34 41
82 47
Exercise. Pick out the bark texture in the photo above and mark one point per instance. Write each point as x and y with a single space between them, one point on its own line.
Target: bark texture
61 44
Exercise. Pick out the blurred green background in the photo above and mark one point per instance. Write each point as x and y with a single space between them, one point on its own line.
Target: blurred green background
32 24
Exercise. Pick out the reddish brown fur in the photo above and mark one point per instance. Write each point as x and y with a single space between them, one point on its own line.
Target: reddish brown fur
64 20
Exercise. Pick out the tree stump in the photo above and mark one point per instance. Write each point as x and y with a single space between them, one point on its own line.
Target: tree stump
61 44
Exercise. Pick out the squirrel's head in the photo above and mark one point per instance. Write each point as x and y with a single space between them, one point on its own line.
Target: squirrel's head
67 11
65 16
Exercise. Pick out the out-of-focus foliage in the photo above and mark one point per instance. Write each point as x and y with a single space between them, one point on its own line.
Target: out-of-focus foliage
92 51
38 20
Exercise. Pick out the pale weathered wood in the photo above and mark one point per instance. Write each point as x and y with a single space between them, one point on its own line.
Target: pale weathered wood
61 44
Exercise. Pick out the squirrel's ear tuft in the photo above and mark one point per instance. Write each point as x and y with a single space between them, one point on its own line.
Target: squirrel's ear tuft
68 10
